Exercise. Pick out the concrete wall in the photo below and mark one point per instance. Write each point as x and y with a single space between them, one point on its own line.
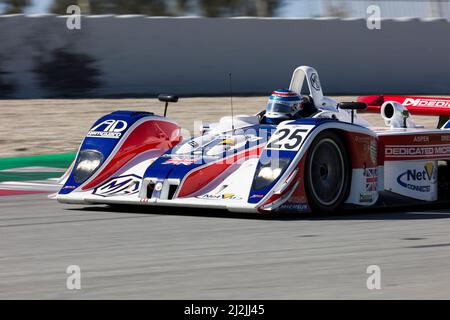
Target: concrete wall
135 56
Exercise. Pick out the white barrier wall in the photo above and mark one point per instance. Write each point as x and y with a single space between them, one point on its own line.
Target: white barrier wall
134 56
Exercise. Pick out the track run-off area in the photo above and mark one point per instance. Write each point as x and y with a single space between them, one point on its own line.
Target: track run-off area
203 254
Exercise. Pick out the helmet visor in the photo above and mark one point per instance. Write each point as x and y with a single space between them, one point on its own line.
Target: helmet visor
278 107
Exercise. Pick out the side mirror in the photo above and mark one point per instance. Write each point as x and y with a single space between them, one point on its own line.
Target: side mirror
167 98
352 106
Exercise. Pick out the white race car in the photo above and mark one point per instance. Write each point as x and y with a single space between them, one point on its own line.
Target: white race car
328 160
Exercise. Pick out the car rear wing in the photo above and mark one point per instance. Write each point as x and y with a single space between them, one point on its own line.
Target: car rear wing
422 106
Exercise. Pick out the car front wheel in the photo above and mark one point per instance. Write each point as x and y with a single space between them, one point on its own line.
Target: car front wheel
327 173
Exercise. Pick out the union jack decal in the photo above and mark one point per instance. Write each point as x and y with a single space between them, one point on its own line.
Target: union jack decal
371 179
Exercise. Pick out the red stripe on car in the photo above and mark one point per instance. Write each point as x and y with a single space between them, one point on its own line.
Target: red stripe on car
200 177
147 136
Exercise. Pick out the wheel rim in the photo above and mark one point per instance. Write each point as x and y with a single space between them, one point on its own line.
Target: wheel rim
327 172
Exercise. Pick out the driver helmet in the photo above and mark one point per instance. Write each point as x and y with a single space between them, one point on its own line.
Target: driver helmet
282 105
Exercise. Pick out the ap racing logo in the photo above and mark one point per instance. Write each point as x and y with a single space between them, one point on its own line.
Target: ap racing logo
108 129
119 186
418 180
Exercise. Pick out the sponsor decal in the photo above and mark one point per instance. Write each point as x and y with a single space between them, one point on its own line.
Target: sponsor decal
252 138
119 186
426 103
418 180
371 178
366 197
186 162
373 147
227 142
421 139
294 207
369 145
108 129
417 151
315 81
257 196
69 187
193 144
225 196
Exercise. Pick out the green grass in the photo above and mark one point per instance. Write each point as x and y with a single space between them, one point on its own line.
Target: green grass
26 176
62 160
52 161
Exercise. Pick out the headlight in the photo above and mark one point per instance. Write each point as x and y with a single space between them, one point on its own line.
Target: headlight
88 161
268 173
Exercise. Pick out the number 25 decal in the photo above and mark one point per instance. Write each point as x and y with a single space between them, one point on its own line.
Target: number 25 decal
289 139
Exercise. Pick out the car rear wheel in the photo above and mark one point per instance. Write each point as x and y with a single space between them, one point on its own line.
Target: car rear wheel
327 173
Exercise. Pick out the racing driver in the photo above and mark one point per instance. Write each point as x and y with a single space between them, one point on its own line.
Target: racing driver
286 105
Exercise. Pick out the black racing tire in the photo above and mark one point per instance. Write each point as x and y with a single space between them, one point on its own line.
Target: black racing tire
327 173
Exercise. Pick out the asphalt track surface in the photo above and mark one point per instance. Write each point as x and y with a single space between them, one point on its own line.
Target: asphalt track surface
192 254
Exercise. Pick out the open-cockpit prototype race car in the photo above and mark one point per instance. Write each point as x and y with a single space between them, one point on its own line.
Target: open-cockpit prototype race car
330 159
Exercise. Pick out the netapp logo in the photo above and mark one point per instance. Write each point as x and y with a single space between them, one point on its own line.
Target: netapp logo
414 179
426 103
108 129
